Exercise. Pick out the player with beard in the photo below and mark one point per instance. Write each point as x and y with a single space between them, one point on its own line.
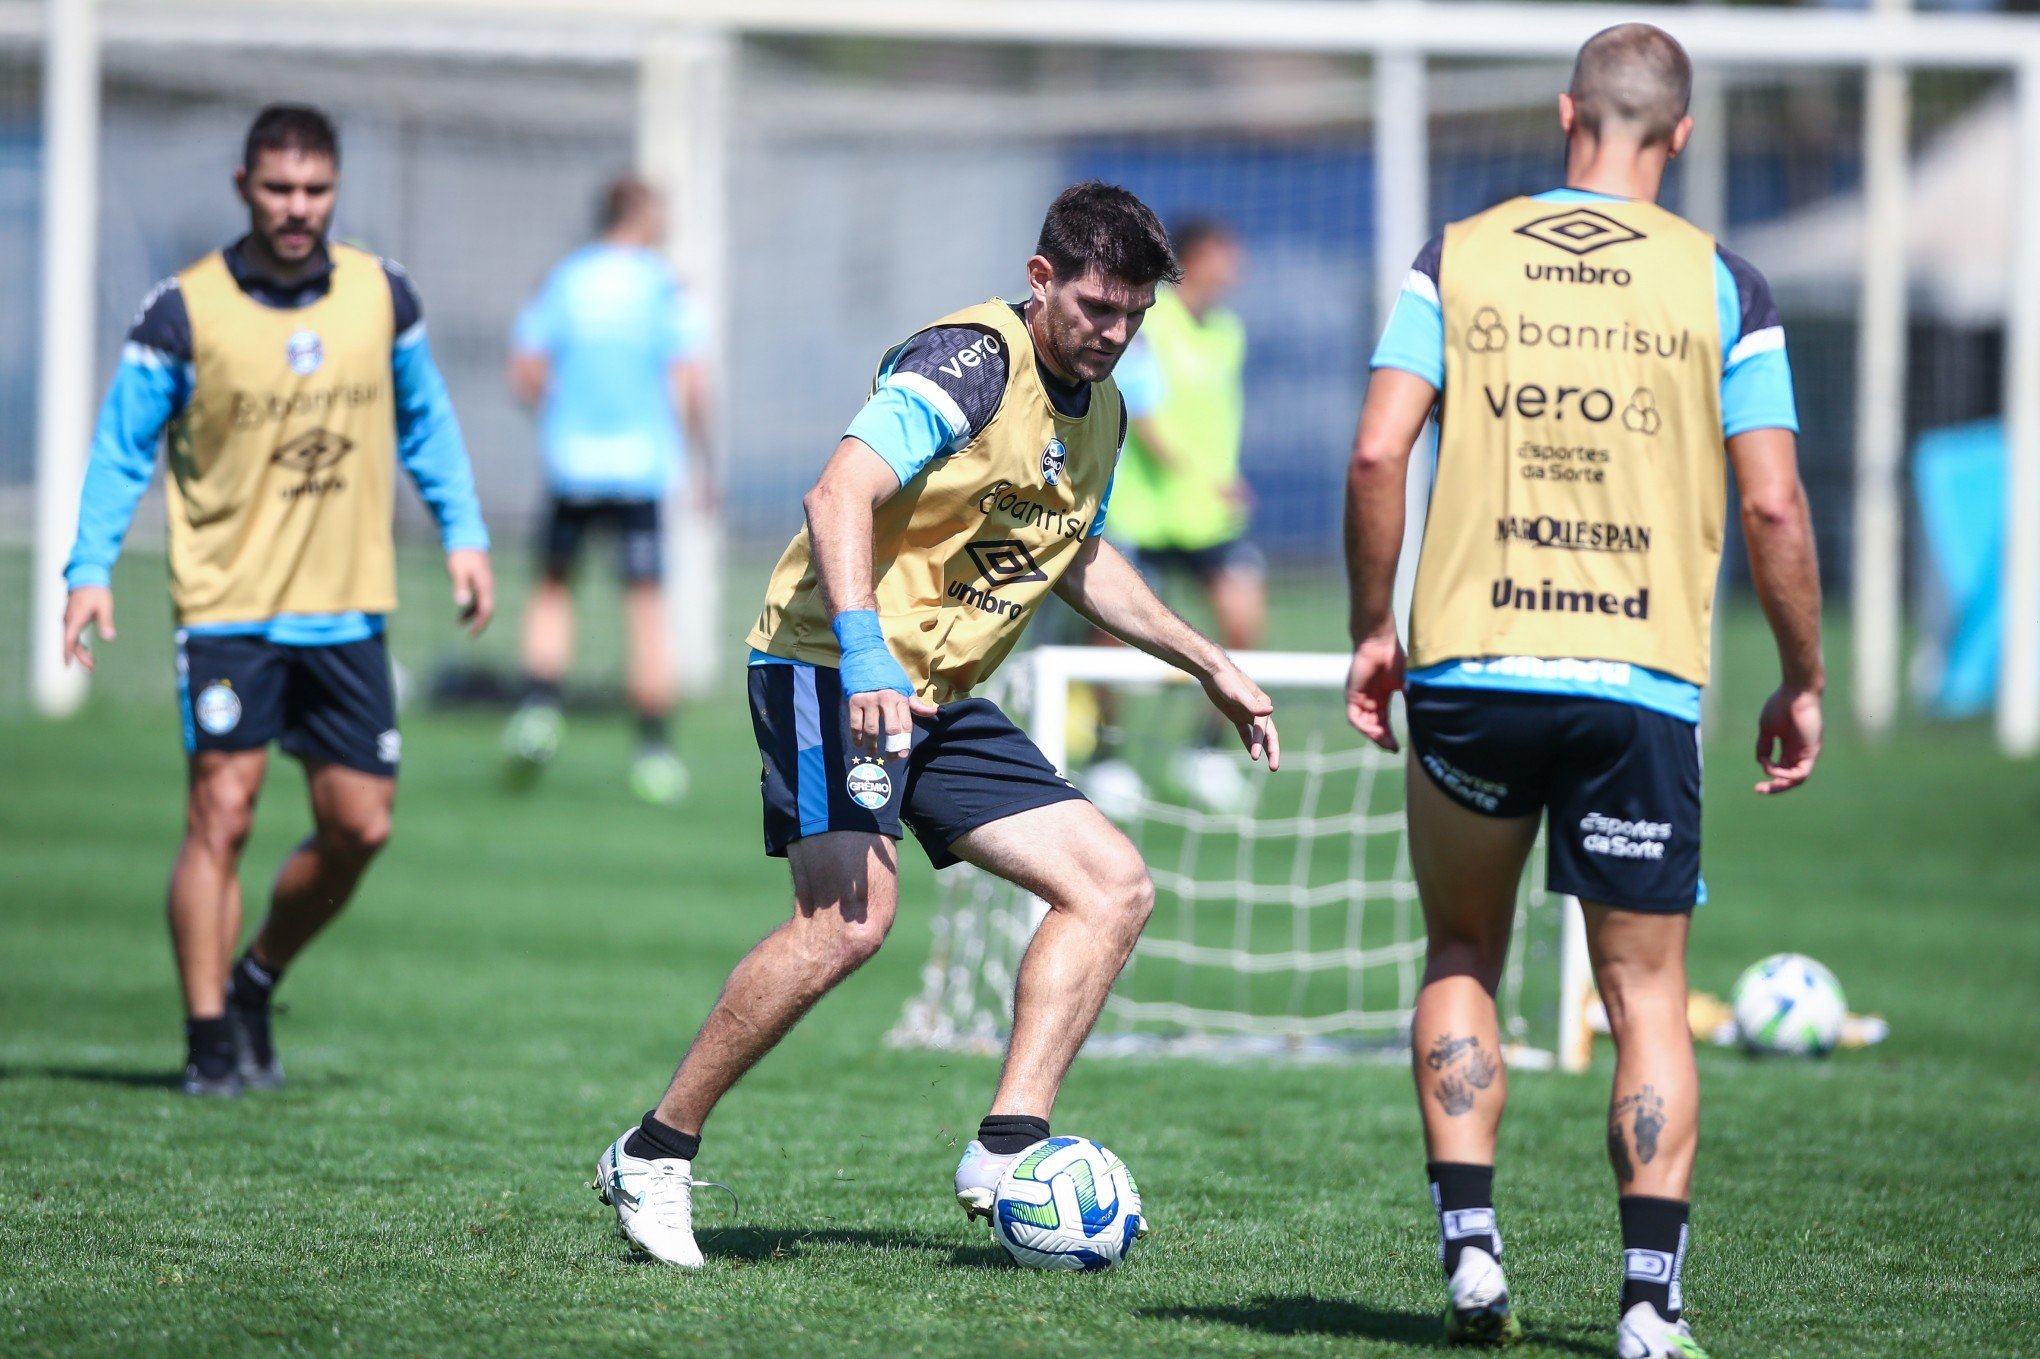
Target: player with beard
973 482
293 376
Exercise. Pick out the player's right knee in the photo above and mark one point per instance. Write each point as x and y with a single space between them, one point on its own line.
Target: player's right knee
220 816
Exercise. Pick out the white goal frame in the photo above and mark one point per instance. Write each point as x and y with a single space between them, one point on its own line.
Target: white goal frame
1050 671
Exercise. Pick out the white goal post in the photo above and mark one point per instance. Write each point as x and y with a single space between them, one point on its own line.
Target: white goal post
1301 902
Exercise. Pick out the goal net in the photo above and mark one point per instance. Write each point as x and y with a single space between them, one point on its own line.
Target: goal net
1286 923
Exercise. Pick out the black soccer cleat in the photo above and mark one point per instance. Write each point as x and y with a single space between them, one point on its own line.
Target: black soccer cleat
256 1066
201 1083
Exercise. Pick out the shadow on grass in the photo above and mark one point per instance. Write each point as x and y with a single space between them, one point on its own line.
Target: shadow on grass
763 1245
139 1080
152 1080
1341 1317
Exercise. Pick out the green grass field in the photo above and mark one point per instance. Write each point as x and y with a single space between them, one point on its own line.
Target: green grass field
519 974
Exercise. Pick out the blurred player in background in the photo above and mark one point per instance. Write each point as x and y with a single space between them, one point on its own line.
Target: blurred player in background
1180 504
974 481
611 352
1589 354
293 376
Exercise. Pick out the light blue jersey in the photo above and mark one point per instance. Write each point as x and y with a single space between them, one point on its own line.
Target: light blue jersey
1756 393
612 322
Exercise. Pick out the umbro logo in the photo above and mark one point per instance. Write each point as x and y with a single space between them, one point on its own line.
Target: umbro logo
313 451
1004 562
1579 231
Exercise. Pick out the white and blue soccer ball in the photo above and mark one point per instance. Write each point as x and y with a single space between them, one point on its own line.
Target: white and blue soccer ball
1788 1003
1067 1204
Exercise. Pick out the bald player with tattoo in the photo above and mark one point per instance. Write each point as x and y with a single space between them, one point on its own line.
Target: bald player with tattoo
1589 356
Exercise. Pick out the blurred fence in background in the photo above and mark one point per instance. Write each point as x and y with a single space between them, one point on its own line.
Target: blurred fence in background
870 184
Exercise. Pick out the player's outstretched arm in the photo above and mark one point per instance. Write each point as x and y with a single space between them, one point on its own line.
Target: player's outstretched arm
1783 564
1397 405
839 508
1104 587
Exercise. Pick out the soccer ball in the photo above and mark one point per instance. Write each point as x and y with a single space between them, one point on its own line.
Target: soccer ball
1788 1003
1067 1204
1114 789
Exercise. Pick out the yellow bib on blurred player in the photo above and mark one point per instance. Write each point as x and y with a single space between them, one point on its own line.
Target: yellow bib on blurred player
964 552
1581 477
282 465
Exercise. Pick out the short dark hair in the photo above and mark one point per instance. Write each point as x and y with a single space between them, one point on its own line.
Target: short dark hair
1633 76
1101 226
1191 232
291 127
622 197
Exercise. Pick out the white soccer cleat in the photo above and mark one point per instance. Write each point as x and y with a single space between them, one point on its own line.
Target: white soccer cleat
1213 780
977 1178
1477 1311
1115 788
1645 1334
654 1203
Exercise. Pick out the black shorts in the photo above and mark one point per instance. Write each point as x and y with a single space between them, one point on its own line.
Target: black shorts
1622 785
1235 556
969 767
640 549
332 703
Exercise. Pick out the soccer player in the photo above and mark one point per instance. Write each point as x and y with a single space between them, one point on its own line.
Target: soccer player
609 350
973 482
1590 354
292 375
1180 503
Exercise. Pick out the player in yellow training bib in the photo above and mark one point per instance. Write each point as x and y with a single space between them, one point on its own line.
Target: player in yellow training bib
974 481
292 376
1588 354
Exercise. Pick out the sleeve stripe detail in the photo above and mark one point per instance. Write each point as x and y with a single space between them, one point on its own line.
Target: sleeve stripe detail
931 392
412 335
1422 284
148 356
1757 342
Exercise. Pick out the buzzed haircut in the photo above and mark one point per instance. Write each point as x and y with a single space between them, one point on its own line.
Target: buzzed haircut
624 198
291 127
1095 225
1634 78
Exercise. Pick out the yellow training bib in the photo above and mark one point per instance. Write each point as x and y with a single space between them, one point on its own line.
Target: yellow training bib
964 552
282 465
1581 483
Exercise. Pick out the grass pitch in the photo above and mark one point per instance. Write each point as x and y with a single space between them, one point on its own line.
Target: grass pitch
519 974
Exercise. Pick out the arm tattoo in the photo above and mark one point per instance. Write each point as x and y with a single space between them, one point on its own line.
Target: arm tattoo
1647 1110
1453 1096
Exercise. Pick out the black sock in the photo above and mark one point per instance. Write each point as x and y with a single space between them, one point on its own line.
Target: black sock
1464 1196
656 1141
1004 1134
252 984
652 729
1653 1252
209 1046
541 691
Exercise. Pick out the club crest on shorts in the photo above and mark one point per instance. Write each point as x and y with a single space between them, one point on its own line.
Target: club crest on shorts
1052 460
306 351
218 708
869 786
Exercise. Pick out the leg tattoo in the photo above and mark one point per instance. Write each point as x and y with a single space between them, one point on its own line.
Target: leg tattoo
1647 1110
1465 1067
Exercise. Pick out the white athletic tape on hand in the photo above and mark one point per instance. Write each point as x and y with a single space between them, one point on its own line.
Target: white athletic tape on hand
896 741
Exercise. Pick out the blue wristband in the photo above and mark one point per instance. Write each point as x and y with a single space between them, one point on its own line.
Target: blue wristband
867 665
